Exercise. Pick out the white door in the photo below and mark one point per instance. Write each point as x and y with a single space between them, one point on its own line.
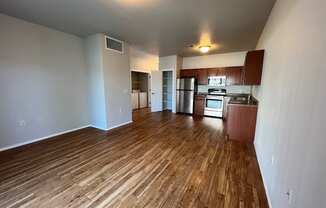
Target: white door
156 91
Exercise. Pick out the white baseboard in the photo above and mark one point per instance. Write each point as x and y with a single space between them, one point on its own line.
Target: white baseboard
97 127
60 133
42 138
112 127
119 125
264 180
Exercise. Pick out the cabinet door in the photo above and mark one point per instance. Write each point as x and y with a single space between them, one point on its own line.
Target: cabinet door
201 75
212 72
221 71
253 67
241 122
234 76
199 105
217 71
186 73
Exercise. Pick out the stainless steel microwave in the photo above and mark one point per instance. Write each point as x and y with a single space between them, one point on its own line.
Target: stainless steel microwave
217 81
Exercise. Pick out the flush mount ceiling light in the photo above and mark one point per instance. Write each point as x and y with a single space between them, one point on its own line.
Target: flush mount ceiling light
204 49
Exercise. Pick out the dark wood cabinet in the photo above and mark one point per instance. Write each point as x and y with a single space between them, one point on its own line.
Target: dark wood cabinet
241 122
201 75
253 67
249 74
199 105
187 73
212 72
222 71
233 75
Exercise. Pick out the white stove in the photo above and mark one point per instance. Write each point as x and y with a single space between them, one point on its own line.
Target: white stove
214 103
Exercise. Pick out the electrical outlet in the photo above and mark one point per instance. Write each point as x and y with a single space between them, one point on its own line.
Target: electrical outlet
22 123
289 195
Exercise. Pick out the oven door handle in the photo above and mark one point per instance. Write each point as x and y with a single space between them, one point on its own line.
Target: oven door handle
214 99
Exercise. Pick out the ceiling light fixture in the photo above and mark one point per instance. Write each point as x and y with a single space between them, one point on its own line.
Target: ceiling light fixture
204 49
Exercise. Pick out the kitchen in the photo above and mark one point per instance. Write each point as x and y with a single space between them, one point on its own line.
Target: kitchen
224 93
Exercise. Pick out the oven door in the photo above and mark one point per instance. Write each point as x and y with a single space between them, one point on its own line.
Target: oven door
214 106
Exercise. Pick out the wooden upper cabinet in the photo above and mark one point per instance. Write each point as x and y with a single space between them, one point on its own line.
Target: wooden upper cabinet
253 67
186 73
201 75
234 75
222 71
212 72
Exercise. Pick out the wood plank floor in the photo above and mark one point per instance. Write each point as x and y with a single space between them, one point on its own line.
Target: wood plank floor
160 160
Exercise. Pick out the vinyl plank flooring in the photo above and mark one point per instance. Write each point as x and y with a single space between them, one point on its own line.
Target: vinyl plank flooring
160 160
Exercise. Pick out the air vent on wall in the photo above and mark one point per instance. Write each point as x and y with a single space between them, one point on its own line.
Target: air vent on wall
113 44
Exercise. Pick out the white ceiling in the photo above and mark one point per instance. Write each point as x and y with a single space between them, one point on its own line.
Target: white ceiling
163 27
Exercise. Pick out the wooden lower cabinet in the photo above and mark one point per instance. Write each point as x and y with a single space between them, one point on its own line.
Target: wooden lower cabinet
241 122
199 105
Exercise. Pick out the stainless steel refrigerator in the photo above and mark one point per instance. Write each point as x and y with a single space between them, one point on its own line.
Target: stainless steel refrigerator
186 88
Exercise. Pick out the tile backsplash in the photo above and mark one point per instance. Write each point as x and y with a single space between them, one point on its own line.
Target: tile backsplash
229 89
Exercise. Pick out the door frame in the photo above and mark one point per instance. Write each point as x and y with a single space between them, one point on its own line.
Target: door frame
174 88
148 85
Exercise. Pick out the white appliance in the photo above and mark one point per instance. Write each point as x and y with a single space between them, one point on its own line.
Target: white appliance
139 100
135 100
142 99
214 103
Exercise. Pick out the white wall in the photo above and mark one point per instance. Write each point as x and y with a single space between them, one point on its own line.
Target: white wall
42 82
141 61
95 72
109 84
292 117
216 60
171 63
117 79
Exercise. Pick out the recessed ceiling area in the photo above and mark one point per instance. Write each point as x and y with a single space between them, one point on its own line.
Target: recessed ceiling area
163 27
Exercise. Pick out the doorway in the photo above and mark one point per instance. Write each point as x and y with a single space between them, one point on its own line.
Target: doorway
140 89
167 90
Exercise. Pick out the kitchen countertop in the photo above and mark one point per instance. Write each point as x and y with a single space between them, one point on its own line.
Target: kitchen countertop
227 94
247 100
236 98
201 93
